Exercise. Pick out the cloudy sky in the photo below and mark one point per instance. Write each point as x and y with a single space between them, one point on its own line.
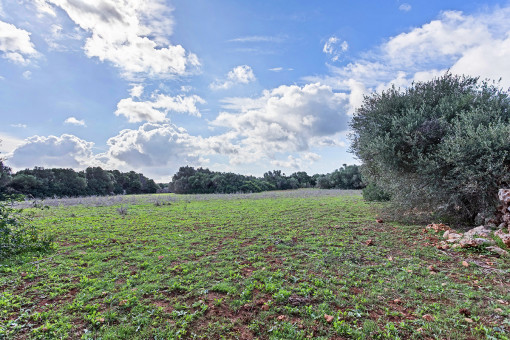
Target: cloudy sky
242 86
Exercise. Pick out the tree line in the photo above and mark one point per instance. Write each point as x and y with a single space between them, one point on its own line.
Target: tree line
95 181
189 180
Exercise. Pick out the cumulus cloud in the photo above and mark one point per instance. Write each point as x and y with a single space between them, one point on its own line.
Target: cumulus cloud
334 47
74 121
284 119
153 145
405 7
15 44
476 45
238 75
66 151
136 91
157 108
132 34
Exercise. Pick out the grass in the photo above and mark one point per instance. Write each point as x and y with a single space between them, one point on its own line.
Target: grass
289 266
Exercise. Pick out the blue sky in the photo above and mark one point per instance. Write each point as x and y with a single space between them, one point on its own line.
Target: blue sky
242 86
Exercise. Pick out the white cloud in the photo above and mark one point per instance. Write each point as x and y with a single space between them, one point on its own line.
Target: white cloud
66 151
132 34
284 119
74 121
335 48
27 75
279 69
136 91
238 75
8 143
258 38
44 8
15 44
60 40
405 7
19 125
476 45
156 109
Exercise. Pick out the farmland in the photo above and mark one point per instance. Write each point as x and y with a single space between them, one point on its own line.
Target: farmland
276 265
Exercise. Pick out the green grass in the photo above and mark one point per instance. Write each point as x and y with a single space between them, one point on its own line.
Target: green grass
267 268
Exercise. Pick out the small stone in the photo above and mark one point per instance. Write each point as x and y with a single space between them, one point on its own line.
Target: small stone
446 233
502 225
428 317
328 318
281 317
504 195
432 269
453 237
504 237
369 242
161 257
265 307
498 250
498 310
397 301
468 320
23 274
379 220
465 264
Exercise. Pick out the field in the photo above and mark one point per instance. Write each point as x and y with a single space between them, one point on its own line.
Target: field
289 265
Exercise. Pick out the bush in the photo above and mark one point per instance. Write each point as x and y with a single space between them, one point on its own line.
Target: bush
16 234
440 147
374 193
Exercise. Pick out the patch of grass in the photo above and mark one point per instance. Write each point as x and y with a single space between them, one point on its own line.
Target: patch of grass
267 267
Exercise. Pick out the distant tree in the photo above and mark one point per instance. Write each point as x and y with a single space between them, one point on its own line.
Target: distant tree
99 181
5 179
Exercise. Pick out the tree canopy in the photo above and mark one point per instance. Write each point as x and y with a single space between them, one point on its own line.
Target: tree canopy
440 146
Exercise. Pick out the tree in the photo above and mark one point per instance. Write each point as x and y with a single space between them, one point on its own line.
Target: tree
441 146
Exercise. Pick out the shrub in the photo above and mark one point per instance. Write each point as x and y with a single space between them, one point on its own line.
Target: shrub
17 235
374 193
440 146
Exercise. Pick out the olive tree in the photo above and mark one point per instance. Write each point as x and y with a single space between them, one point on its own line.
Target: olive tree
441 146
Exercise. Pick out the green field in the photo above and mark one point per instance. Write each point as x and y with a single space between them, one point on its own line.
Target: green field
267 266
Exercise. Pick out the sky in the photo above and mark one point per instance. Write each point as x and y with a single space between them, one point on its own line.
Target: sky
238 86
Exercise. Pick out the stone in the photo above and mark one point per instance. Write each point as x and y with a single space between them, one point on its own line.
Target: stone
502 225
484 241
452 237
504 195
498 251
428 317
328 318
445 235
478 231
504 237
466 242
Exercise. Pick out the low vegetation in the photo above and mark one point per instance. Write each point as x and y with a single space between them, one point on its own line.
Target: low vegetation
275 265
